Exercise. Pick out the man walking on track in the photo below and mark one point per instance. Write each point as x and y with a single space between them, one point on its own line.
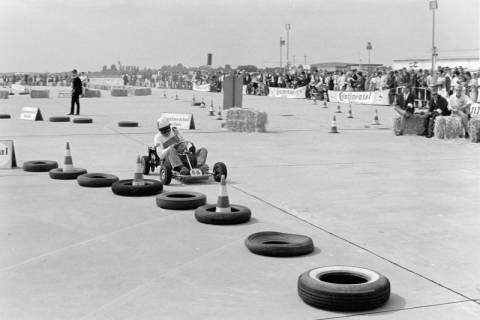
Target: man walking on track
76 92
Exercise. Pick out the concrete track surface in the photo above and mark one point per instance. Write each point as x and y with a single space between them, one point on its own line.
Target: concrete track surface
407 207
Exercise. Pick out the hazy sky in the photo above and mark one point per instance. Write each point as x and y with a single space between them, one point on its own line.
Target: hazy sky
58 35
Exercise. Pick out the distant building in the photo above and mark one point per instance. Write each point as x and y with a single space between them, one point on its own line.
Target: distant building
345 66
469 62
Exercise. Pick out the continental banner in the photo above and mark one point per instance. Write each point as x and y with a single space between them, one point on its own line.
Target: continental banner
298 93
359 97
201 87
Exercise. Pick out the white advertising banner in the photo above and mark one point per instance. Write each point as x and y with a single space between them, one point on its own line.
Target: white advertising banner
475 109
298 93
107 81
360 97
201 87
180 120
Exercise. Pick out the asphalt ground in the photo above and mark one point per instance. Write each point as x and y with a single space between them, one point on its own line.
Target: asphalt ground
406 207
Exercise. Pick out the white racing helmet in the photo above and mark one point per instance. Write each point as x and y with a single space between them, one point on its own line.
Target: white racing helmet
162 123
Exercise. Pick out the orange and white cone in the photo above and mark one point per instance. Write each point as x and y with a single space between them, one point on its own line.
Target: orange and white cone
68 162
339 110
211 111
325 104
176 96
202 104
193 100
223 204
138 175
219 114
350 114
164 95
375 118
333 128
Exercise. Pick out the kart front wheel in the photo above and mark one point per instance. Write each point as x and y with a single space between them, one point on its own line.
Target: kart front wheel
165 174
219 170
146 164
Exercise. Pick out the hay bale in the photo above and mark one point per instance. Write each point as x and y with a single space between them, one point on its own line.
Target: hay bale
440 126
474 129
4 94
89 93
414 125
453 128
245 120
119 92
36 94
142 92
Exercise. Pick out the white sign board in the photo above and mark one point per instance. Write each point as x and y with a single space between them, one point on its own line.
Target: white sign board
298 93
180 120
7 154
201 87
360 97
475 109
32 114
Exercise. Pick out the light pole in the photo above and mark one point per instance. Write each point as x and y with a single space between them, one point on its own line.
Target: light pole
305 56
433 4
293 60
369 48
282 43
288 27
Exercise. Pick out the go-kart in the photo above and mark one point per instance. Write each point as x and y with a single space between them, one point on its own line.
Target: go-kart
152 161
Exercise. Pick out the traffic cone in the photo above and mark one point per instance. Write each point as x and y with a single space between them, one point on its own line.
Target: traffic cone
138 175
325 104
176 96
164 95
375 118
211 111
219 114
350 115
223 204
193 100
339 110
202 104
68 163
314 98
333 128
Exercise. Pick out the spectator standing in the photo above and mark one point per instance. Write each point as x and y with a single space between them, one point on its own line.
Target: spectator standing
76 92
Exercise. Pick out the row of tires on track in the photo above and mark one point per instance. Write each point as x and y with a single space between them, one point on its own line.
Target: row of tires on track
77 120
338 288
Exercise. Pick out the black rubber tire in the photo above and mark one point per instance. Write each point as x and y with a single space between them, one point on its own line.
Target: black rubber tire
125 188
128 124
342 288
219 169
96 180
59 119
146 165
60 175
181 200
4 116
277 244
82 120
166 174
39 165
207 214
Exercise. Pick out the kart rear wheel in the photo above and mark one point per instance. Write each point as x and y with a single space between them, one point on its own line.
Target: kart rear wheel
146 165
165 174
219 170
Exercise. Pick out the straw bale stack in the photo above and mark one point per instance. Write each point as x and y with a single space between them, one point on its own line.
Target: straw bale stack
414 125
246 120
142 92
90 93
448 127
39 94
116 92
474 129
4 94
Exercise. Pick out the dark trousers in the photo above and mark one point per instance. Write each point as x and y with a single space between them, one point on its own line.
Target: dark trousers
429 124
75 100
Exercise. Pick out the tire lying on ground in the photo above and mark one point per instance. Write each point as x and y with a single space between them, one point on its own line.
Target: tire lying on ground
278 244
70 175
82 120
96 180
59 119
127 124
125 188
207 214
39 165
342 288
181 200
5 116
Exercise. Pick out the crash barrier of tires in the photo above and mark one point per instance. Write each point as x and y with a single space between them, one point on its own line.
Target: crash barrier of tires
127 124
5 116
60 174
127 189
414 125
245 120
119 92
341 288
96 180
39 165
207 214
59 119
39 94
90 93
448 127
278 244
474 129
181 200
4 94
82 120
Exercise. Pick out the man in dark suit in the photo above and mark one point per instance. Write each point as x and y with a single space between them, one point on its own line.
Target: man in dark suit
76 92
438 106
405 107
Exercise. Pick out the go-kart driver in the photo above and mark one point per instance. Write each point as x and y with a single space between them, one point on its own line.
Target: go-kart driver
171 147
